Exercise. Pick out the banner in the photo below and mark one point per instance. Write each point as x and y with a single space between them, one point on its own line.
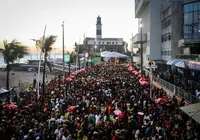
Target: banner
193 65
67 58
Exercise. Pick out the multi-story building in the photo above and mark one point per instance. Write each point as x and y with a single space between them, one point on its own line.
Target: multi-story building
171 31
190 43
97 44
159 28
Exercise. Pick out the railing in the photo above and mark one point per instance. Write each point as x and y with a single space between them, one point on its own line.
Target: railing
188 56
176 90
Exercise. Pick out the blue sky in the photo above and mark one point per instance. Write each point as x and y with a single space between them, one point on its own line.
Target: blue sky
25 19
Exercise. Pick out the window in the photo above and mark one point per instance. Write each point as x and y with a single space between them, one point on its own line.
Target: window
102 42
99 42
116 42
190 7
113 42
191 20
169 37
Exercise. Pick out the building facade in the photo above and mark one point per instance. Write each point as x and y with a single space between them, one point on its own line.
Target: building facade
190 43
160 30
149 33
98 43
171 19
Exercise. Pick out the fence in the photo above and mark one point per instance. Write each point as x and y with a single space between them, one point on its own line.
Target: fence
176 90
172 88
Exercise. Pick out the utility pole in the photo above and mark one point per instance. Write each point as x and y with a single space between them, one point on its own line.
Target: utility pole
38 78
141 45
63 47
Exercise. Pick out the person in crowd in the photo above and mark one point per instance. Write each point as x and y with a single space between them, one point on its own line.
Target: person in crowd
102 102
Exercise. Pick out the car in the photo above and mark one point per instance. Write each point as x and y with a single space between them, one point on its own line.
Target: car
31 70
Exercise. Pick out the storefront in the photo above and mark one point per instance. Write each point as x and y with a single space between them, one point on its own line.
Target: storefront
185 70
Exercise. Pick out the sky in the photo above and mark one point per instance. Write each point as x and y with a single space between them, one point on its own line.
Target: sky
25 19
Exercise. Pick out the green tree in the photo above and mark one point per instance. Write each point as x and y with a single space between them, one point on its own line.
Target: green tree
11 52
46 49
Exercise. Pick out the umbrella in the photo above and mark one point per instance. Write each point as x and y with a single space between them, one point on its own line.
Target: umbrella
140 114
11 106
136 73
130 68
72 109
117 112
68 79
161 101
143 83
72 76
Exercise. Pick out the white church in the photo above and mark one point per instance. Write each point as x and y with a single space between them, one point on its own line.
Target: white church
98 44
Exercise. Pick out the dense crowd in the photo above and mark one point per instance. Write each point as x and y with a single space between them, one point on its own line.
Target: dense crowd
103 102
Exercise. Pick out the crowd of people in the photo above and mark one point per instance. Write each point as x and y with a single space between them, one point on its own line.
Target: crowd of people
103 102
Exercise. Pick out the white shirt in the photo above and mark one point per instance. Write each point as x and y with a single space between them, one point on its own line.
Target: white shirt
97 118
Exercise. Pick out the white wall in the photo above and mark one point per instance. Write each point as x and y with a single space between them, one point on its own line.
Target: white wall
155 29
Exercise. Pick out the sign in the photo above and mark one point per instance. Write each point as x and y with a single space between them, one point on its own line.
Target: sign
193 65
86 54
67 58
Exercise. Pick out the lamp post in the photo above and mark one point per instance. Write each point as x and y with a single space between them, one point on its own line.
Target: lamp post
151 66
141 45
132 47
95 47
63 47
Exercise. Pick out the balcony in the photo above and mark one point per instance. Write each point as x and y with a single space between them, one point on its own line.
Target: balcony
188 42
140 6
167 3
137 38
195 57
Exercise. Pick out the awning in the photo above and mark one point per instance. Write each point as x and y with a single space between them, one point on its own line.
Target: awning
181 64
173 61
193 111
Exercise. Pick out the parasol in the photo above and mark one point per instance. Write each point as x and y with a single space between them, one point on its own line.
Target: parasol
117 112
161 101
11 106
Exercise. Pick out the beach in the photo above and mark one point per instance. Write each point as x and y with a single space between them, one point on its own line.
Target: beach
21 79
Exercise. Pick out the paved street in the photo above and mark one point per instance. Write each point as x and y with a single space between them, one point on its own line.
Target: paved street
20 78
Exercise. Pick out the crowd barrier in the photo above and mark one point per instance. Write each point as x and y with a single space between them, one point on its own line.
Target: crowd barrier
176 90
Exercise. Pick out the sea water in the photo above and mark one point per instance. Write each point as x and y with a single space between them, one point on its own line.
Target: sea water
34 57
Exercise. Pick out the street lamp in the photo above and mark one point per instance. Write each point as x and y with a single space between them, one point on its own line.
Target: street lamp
132 48
141 45
95 47
151 65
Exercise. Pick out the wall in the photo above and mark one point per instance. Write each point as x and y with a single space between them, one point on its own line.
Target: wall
155 29
145 30
177 30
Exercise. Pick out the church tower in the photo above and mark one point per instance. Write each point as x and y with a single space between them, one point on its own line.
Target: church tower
98 28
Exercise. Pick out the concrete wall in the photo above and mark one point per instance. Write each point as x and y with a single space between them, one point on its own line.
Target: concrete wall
145 29
155 29
177 29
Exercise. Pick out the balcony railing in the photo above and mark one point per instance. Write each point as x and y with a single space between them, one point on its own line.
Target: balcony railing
195 57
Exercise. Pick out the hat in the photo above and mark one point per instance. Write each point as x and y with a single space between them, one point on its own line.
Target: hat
117 131
25 137
95 132
30 131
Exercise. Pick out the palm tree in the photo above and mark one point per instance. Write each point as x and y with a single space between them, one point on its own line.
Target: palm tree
11 52
46 49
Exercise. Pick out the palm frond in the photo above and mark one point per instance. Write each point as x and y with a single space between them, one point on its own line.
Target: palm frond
48 43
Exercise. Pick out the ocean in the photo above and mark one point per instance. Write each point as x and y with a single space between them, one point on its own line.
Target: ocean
33 57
